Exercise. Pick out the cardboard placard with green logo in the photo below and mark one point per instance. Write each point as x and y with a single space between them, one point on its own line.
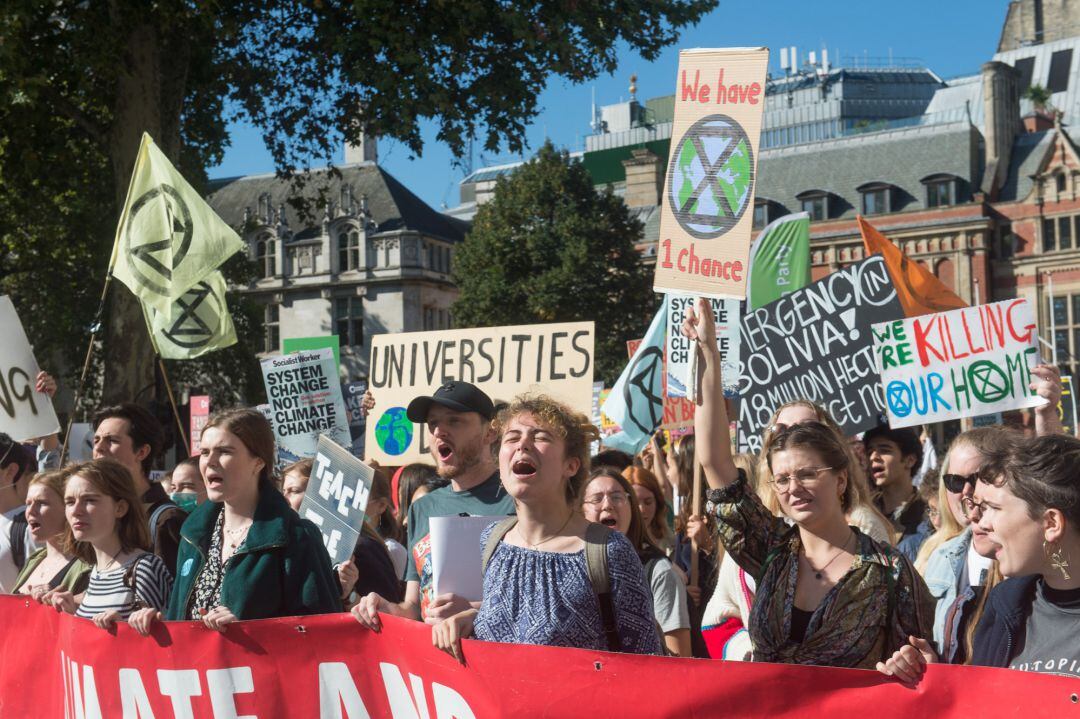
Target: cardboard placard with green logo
553 359
707 210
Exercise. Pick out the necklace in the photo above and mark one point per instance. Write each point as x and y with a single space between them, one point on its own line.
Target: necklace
546 539
237 536
818 572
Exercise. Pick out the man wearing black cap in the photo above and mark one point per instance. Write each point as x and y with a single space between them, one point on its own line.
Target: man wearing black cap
458 420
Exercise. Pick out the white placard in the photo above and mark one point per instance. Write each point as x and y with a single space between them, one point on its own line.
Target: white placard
24 413
961 363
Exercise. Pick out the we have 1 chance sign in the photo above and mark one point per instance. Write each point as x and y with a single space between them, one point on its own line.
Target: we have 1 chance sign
961 363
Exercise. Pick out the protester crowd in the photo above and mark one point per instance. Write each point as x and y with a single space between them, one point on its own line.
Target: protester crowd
822 549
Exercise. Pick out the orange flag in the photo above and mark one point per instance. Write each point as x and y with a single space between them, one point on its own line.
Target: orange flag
919 291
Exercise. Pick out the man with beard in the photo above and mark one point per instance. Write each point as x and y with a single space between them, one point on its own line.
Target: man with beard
458 418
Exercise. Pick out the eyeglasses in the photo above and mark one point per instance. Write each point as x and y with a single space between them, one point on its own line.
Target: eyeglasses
974 510
805 478
616 498
932 513
955 483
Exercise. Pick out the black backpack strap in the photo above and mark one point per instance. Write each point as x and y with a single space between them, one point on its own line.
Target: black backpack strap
17 539
596 541
499 531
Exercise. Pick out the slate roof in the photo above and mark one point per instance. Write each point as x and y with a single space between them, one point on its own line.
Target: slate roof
902 158
1027 154
392 206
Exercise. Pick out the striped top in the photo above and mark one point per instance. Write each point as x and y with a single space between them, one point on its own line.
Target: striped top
117 590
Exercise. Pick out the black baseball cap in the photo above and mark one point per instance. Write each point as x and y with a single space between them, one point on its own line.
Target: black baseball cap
458 396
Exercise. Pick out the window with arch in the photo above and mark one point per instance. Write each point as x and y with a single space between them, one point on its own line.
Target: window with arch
266 255
940 190
876 198
348 250
815 203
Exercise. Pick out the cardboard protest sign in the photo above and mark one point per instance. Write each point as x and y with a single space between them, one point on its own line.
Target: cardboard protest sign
817 344
706 214
553 359
336 497
353 392
200 414
24 412
726 314
961 363
305 402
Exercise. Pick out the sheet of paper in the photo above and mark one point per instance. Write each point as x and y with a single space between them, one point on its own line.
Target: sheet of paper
456 555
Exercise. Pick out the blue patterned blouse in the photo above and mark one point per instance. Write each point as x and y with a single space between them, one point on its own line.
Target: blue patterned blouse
545 598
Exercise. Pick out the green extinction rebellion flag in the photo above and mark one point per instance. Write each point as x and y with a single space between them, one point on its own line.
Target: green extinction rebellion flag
196 323
779 260
168 239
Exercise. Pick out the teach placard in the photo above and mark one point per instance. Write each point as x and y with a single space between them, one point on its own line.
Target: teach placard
553 359
337 497
707 209
962 363
817 344
25 413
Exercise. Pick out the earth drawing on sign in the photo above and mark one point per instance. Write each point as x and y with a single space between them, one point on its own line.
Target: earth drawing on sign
394 431
711 177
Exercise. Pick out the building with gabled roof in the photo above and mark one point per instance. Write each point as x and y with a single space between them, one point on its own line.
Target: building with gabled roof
353 252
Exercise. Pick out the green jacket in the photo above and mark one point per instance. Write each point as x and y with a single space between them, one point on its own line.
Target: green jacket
281 570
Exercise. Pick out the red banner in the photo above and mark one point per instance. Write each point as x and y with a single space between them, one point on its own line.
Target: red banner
54 665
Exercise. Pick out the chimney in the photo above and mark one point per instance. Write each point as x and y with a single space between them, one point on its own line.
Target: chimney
1001 121
365 151
644 179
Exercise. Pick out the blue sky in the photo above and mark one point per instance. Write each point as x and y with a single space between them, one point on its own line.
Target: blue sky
951 37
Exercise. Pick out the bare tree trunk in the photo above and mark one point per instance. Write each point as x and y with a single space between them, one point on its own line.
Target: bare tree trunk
128 353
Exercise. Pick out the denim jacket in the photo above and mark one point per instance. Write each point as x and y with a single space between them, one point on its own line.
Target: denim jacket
942 576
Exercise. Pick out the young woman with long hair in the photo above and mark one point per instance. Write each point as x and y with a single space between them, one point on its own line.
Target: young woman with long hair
608 499
54 565
109 532
827 593
245 554
538 567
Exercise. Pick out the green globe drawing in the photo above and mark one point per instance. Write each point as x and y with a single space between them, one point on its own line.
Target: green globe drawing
394 431
711 177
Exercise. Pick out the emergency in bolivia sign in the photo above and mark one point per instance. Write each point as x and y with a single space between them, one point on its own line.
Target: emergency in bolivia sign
707 213
553 359
961 363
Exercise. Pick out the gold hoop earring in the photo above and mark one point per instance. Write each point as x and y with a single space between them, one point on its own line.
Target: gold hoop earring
1057 558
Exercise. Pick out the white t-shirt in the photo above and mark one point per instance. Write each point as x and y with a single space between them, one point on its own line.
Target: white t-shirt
8 571
399 556
978 566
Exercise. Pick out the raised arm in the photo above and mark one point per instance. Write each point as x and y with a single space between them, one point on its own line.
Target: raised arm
713 448
1046 383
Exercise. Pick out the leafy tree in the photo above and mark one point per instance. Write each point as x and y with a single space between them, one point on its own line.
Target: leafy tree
80 80
550 248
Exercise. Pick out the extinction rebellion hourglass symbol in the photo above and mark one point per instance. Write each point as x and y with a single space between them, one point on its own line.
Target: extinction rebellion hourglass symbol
711 178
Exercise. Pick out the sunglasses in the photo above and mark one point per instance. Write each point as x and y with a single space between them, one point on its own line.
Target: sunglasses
955 483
